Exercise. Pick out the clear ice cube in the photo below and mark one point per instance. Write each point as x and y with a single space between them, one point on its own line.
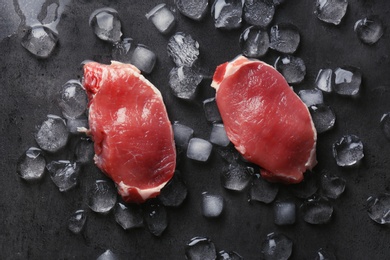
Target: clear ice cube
199 149
73 99
101 197
183 49
212 205
174 192
184 82
218 135
108 255
347 81
64 174
348 151
323 117
182 135
292 68
259 12
276 247
77 126
331 11
106 24
332 186
200 248
227 14
52 135
369 30
128 217
211 110
122 50
324 80
229 255
31 164
262 190
143 58
162 18
254 42
84 151
237 177
323 254
284 212
193 9
77 221
316 210
284 38
385 125
306 188
378 208
40 41
155 217
311 97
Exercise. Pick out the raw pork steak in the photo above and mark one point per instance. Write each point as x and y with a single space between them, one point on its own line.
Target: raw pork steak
265 120
130 127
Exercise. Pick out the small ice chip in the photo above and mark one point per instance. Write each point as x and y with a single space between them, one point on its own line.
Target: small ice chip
122 50
332 186
227 14
107 255
385 125
106 24
378 208
101 197
199 149
276 247
77 221
182 135
75 126
323 117
254 42
64 174
306 188
162 18
40 41
284 38
259 12
218 135
84 151
331 11
311 97
31 164
347 81
262 190
284 213
183 49
317 210
155 217
128 217
184 82
193 9
212 205
324 80
52 135
292 68
143 58
369 30
231 255
348 151
322 254
73 99
237 177
200 248
211 110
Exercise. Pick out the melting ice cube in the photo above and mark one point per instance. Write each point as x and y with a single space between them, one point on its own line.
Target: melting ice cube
385 125
231 255
369 30
227 14
77 221
259 12
284 212
378 208
183 49
237 177
40 41
262 190
73 99
199 149
348 151
64 174
284 38
194 9
323 254
254 42
75 126
31 165
324 80
174 192
128 217
347 81
311 97
106 24
84 151
276 246
212 205
200 248
108 255
101 197
143 58
122 50
331 11
182 135
155 216
292 68
211 110
218 135
306 188
52 135
323 117
184 82
162 18
332 186
316 210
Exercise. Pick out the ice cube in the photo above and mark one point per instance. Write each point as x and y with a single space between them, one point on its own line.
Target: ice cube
306 188
184 82
77 221
155 216
332 186
64 174
212 205
73 99
183 49
292 68
227 14
231 255
259 12
162 18
262 190
40 41
106 24
324 255
237 177
278 2
174 192
84 151
143 58
385 124
128 217
211 110
101 197
369 30
31 164
77 126
311 97
347 81
316 210
200 248
254 42
122 50
218 135
324 80
52 135
378 208
284 212
284 38
182 135
199 149
348 151
323 117
276 247
108 255
193 9
331 11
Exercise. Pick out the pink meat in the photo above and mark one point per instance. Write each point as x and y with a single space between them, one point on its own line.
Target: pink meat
265 120
130 127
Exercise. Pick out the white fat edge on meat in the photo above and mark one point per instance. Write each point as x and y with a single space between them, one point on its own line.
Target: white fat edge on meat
144 193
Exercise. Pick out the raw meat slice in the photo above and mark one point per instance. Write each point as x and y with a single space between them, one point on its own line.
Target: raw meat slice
265 120
130 127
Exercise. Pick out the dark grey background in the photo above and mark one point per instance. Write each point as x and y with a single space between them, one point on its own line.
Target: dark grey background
33 216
